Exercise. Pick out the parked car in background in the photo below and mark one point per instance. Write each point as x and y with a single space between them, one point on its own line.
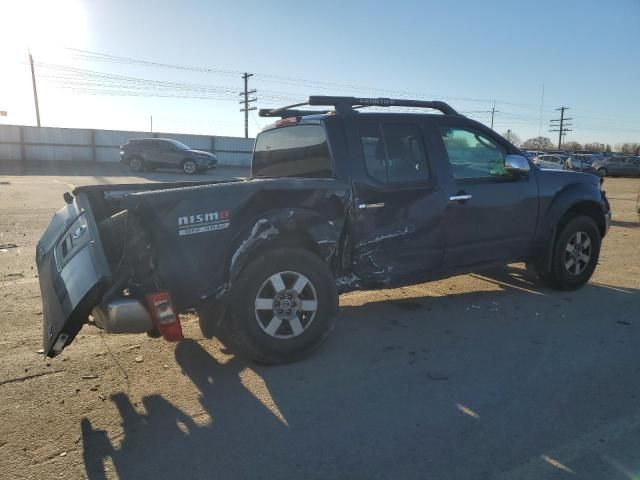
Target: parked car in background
531 154
555 162
618 167
581 163
597 155
150 153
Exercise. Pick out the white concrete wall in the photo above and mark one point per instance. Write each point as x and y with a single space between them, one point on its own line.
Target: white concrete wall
24 143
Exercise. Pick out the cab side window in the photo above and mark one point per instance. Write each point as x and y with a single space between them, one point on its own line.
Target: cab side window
394 153
473 154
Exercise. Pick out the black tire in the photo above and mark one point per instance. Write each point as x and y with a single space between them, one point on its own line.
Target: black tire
248 330
189 167
136 164
566 274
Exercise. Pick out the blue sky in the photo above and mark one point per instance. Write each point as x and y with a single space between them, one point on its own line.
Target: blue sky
469 53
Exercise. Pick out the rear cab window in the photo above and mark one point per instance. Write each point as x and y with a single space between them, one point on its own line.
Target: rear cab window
293 151
394 153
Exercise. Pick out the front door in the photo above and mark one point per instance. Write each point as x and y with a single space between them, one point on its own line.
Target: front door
398 205
491 214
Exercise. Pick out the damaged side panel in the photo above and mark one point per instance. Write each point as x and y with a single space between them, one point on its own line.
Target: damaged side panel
401 238
203 235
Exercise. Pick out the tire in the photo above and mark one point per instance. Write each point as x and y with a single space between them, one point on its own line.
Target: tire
569 269
136 164
256 328
189 167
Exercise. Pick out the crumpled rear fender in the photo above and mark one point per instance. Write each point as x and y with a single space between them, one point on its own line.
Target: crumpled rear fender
288 227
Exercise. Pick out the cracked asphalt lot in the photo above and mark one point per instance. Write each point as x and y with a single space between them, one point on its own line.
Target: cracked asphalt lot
483 376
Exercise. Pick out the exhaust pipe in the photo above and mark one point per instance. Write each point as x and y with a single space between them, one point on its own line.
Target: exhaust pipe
123 315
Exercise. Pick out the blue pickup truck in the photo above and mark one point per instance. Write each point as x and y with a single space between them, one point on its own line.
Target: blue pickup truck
358 194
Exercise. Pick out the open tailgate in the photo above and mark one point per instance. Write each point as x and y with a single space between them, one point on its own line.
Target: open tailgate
73 273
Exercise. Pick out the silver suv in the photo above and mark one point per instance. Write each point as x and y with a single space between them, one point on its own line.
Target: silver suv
151 153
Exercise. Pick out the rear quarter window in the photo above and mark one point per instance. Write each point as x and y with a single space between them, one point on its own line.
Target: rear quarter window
295 151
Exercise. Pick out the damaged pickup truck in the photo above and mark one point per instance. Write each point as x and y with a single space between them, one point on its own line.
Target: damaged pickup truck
352 197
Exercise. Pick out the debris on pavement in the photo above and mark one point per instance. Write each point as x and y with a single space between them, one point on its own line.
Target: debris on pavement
623 322
6 247
89 377
138 359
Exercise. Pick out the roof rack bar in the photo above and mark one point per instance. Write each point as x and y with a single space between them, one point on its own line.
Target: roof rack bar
343 103
286 112
346 105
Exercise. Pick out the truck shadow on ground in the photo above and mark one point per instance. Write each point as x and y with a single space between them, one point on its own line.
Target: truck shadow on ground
391 405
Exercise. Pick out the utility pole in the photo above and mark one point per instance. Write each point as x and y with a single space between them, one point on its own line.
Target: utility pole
493 112
246 102
35 90
560 127
151 118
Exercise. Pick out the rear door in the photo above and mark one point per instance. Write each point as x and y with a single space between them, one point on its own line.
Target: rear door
491 215
169 155
398 203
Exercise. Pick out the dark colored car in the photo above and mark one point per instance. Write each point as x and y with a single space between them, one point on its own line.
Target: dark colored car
151 153
581 163
595 155
627 166
339 200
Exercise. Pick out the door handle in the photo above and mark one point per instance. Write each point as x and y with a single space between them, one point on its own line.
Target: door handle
460 198
370 205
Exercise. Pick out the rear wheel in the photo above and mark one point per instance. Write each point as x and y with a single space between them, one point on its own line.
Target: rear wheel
136 164
189 167
575 254
283 306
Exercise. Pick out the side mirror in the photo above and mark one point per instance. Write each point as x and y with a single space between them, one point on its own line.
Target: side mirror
516 164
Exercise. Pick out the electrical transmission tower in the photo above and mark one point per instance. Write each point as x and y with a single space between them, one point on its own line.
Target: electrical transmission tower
560 125
246 102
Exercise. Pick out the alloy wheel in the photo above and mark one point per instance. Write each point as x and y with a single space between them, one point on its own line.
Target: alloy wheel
135 164
577 253
286 304
189 167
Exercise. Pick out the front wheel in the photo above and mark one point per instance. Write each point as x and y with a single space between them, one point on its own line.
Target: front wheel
189 167
283 306
575 254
